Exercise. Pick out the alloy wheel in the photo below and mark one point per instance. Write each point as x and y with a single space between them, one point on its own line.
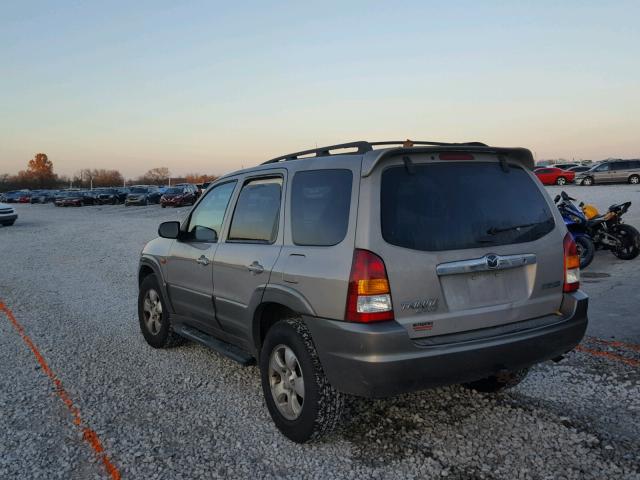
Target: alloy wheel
152 308
286 382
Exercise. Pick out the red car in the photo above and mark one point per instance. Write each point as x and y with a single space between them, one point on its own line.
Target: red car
554 176
179 196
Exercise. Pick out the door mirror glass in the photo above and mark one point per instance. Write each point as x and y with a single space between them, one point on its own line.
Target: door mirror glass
204 234
169 229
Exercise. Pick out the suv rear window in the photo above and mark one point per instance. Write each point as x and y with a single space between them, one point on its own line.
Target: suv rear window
320 201
452 206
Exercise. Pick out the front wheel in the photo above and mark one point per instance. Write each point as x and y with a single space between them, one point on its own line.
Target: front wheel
634 179
561 181
153 316
586 250
9 223
302 403
588 181
629 238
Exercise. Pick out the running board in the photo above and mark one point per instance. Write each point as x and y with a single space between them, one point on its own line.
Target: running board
220 346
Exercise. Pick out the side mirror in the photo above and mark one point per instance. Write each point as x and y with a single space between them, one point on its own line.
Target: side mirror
555 200
169 229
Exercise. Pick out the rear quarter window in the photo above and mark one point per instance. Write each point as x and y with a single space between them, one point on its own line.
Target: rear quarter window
320 202
452 206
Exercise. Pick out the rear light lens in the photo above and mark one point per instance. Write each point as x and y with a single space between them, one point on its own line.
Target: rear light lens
369 295
456 156
571 265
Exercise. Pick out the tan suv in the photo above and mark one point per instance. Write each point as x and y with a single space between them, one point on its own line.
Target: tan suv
611 171
369 269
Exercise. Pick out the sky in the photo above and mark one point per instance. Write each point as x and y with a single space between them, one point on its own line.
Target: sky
214 86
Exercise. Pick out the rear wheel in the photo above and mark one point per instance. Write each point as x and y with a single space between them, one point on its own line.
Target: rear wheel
629 237
302 403
588 181
153 316
496 383
634 179
561 181
586 250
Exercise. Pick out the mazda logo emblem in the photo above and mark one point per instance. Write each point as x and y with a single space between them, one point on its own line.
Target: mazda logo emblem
492 261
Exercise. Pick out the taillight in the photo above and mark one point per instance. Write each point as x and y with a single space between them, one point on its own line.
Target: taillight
571 265
369 296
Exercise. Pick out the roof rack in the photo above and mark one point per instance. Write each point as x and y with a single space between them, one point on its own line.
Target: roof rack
363 147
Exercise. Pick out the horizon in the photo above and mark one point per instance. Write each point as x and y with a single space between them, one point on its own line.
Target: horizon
212 88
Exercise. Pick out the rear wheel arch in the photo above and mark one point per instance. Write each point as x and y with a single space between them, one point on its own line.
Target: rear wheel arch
266 316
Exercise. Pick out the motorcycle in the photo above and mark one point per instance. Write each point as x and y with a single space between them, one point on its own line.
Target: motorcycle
576 223
608 231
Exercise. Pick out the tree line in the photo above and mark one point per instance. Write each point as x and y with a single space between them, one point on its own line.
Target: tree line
39 174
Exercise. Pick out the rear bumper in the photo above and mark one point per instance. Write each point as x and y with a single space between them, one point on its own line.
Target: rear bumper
380 360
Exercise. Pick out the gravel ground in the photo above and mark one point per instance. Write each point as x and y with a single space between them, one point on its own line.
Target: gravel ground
69 276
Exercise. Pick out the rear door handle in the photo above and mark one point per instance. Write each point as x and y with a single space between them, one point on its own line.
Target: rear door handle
255 268
203 260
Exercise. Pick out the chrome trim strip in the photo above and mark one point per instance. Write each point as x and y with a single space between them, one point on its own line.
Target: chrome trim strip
482 264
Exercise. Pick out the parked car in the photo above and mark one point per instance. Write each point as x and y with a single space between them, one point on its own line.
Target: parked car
73 199
8 215
17 196
10 197
109 196
141 195
42 196
554 176
122 194
611 171
369 274
178 197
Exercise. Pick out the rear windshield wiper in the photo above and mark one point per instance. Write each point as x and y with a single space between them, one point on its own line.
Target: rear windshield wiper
495 231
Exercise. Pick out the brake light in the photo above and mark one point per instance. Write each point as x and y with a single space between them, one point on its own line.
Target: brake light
571 265
369 295
456 156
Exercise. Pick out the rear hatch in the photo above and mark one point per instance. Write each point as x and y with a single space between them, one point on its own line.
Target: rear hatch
468 242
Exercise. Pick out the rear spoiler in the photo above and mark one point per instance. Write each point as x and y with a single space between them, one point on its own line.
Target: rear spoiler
518 155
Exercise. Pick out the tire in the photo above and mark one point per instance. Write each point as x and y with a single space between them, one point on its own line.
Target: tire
561 181
164 206
631 242
586 249
587 181
634 179
322 405
156 326
9 223
497 383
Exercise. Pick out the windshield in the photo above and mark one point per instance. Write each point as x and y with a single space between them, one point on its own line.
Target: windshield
174 191
138 190
452 206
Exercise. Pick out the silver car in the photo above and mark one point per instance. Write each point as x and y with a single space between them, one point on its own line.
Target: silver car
369 269
611 171
8 215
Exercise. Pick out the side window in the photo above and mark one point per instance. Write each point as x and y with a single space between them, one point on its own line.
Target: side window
208 216
603 168
255 219
320 202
